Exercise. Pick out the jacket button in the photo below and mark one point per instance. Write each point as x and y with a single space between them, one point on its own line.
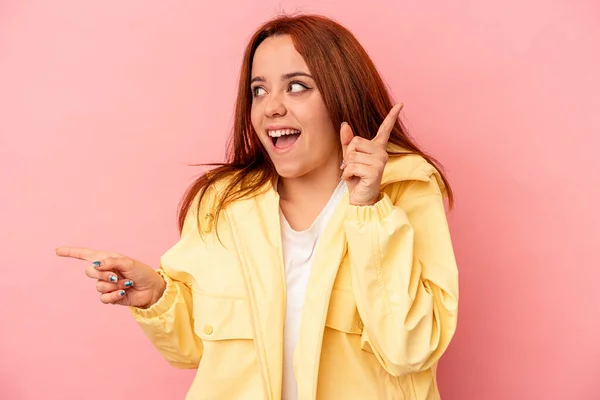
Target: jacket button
208 329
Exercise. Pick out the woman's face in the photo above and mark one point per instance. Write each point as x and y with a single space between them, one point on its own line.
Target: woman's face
288 112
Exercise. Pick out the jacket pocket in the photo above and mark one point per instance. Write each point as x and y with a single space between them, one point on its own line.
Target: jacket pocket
222 317
229 367
342 314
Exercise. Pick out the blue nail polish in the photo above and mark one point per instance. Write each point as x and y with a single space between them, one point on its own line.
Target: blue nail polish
113 278
122 293
96 264
129 284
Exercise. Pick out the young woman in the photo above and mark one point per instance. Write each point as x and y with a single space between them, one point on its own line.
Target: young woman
317 262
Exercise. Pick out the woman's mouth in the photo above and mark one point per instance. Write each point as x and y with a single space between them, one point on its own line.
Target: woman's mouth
283 138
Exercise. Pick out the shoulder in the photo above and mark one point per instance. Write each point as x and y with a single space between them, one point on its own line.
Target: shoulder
222 191
207 195
411 175
216 188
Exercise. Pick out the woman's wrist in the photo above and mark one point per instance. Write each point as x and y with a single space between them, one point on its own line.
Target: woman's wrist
369 203
158 291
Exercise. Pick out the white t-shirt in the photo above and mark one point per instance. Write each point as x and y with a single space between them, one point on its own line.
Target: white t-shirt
298 252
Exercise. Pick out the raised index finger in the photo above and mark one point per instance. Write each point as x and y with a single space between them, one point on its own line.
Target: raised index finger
383 134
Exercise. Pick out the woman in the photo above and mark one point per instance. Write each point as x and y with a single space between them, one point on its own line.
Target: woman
317 262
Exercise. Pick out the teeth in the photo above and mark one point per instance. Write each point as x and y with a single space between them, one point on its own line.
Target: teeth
281 132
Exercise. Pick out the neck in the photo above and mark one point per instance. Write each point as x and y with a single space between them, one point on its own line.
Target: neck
314 186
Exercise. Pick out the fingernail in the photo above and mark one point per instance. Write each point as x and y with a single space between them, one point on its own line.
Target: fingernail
113 278
129 284
96 264
344 123
122 293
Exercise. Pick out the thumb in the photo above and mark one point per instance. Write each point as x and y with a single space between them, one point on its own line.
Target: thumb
346 136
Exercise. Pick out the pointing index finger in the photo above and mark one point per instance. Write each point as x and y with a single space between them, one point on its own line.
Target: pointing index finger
383 134
83 253
76 252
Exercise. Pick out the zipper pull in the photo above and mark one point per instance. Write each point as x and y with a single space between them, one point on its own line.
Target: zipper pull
208 222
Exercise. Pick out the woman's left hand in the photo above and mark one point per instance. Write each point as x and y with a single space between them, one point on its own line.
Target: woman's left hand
364 160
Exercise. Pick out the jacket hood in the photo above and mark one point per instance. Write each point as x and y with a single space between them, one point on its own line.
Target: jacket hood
409 167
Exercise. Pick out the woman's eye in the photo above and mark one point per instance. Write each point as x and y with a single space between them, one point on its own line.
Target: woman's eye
258 91
297 87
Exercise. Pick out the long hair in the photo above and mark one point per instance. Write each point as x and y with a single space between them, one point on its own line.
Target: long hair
352 90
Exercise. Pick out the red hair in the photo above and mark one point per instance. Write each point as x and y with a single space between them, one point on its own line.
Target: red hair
351 87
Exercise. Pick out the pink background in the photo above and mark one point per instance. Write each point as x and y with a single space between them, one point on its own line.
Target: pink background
102 105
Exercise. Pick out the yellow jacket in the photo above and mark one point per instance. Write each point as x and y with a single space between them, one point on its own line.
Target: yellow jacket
380 308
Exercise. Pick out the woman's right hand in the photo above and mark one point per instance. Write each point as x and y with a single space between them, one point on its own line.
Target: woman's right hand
120 279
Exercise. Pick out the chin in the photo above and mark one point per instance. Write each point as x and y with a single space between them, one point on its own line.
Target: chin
290 171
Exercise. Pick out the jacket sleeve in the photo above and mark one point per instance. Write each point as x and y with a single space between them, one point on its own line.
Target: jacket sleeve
169 323
170 326
404 276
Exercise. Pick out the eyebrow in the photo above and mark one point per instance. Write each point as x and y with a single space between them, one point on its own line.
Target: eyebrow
284 77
